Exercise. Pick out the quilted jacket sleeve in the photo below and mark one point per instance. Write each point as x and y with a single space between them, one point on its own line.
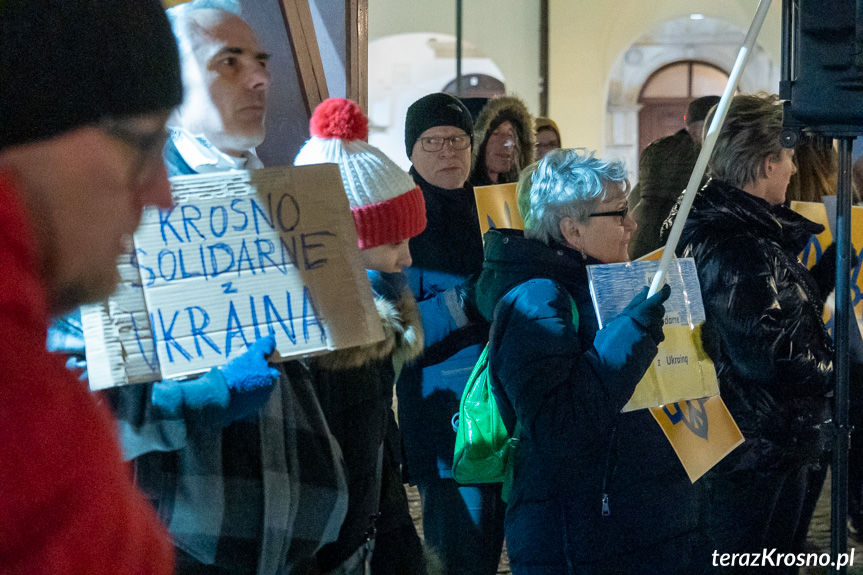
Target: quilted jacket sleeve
559 389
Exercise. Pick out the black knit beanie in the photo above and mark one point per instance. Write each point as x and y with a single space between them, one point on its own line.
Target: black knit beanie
68 63
435 110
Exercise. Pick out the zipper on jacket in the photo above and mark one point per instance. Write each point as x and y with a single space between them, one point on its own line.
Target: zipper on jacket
609 470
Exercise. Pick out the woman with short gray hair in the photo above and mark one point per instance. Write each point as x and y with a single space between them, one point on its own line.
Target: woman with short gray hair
594 490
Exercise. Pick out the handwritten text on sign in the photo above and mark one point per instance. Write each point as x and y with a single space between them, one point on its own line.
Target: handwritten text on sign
245 254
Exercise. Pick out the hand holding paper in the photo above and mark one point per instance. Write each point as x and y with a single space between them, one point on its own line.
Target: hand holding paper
628 344
234 391
648 312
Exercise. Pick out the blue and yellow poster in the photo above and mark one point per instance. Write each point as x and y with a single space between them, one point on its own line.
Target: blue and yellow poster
497 207
701 431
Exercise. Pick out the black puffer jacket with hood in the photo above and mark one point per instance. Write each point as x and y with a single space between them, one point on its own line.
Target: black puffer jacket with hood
764 331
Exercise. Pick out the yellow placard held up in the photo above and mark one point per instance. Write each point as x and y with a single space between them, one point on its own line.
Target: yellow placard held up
497 207
701 431
811 254
681 370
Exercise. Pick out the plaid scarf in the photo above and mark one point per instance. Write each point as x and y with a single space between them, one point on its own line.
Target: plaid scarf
259 511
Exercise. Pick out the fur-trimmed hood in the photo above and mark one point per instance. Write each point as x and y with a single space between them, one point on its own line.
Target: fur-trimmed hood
497 111
403 336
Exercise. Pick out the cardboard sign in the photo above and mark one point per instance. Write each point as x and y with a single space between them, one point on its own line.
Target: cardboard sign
497 207
701 431
681 370
241 255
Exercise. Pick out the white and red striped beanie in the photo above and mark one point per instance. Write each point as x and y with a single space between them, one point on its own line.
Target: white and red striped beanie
387 205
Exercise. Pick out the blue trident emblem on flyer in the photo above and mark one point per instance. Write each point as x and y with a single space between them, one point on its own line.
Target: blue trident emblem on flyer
695 417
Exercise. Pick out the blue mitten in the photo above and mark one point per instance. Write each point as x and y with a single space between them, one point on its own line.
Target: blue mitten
250 379
235 390
649 313
627 345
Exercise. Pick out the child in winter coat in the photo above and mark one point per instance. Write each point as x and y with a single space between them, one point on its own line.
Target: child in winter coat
356 385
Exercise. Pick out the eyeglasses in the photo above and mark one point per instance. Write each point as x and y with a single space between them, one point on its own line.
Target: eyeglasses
619 213
435 143
147 145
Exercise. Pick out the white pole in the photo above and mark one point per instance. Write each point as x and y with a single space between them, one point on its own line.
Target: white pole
707 147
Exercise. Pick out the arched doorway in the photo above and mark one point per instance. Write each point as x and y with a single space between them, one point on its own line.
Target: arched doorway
668 91
679 40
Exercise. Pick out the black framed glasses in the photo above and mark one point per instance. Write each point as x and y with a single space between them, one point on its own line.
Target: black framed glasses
619 213
147 145
436 143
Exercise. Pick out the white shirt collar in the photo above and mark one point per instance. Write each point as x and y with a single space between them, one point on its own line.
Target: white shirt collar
204 158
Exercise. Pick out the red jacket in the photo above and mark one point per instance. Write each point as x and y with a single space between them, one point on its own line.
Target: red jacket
67 502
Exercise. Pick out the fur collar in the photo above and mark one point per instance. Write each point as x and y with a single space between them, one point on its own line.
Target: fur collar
403 337
495 112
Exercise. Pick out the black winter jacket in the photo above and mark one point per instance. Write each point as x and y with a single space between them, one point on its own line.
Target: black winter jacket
663 171
444 255
355 387
764 331
575 445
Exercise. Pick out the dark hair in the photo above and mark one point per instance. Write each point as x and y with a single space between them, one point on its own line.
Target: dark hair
698 108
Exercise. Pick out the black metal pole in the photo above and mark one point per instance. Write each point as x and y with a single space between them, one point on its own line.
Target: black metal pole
786 70
841 363
543 57
458 9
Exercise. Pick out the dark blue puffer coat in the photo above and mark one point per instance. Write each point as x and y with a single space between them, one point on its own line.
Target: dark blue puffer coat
575 445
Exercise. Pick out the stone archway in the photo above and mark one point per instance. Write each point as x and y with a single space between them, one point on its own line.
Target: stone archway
667 92
708 41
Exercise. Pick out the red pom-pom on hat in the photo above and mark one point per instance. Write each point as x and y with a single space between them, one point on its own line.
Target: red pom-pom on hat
339 118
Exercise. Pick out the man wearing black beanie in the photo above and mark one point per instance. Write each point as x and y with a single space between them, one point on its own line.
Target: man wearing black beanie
462 523
85 89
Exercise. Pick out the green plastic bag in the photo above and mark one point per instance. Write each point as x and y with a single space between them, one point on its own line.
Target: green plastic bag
484 450
482 443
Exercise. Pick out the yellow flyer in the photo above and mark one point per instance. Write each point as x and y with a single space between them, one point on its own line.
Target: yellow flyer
818 212
701 431
681 369
497 207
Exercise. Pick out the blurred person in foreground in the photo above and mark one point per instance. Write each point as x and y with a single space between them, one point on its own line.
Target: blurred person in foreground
85 90
593 490
763 331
